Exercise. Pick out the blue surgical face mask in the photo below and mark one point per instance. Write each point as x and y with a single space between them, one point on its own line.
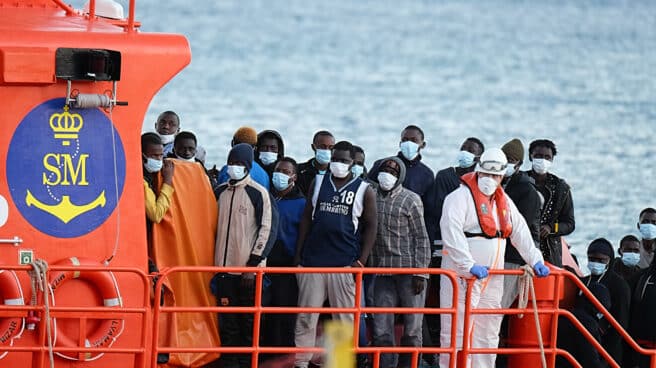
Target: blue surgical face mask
268 158
409 150
596 268
357 170
323 156
280 181
152 165
648 231
465 159
630 259
236 172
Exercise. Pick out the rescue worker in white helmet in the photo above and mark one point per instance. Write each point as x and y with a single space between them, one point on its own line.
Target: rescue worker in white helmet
476 220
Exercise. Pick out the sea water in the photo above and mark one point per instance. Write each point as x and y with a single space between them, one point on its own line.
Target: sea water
581 73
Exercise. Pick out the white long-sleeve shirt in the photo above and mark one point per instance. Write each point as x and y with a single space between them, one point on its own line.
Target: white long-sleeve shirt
459 216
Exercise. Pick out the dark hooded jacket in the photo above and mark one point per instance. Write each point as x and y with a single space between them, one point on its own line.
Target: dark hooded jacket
570 338
281 149
620 297
558 213
521 189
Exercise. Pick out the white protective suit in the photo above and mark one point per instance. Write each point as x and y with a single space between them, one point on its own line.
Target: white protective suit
460 254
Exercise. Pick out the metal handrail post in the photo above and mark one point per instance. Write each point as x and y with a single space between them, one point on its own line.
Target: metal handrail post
463 355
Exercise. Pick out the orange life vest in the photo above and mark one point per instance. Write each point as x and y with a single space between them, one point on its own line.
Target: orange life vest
483 209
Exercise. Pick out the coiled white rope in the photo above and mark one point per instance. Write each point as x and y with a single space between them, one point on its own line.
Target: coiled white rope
39 282
526 285
87 100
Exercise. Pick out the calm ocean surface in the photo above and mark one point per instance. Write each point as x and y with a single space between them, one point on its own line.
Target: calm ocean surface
582 73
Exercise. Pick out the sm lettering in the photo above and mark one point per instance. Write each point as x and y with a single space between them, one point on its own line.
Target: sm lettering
64 171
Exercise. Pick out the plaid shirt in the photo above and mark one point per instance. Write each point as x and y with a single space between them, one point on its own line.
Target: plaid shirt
401 239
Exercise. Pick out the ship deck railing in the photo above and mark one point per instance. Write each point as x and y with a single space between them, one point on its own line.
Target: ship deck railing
150 312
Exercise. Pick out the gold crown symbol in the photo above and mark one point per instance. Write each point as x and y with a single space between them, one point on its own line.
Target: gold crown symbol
66 125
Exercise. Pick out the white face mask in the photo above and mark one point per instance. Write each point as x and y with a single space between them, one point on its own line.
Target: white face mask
386 181
192 159
167 138
541 165
152 165
268 158
236 172
487 185
510 170
339 169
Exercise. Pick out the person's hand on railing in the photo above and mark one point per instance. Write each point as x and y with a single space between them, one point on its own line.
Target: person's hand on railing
247 281
480 272
541 270
418 284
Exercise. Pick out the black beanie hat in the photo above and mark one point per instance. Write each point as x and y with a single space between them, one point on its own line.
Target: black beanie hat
242 153
602 246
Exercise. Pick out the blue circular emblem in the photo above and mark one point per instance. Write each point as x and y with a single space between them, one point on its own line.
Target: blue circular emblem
65 169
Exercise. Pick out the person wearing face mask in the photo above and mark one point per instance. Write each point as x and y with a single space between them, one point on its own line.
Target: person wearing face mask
248 136
642 324
401 242
157 200
167 126
419 177
446 181
600 255
647 228
557 217
269 149
358 169
521 189
338 229
477 219
247 228
322 145
626 265
278 329
572 340
185 149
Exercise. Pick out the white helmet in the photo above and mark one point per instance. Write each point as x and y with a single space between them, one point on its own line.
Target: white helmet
493 161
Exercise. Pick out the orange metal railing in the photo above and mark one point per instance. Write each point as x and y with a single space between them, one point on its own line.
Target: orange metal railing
458 357
147 350
257 309
41 349
130 24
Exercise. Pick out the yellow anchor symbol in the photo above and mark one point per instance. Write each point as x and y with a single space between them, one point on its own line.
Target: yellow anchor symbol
65 210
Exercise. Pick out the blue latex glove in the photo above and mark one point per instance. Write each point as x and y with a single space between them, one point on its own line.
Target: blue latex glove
479 271
541 270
